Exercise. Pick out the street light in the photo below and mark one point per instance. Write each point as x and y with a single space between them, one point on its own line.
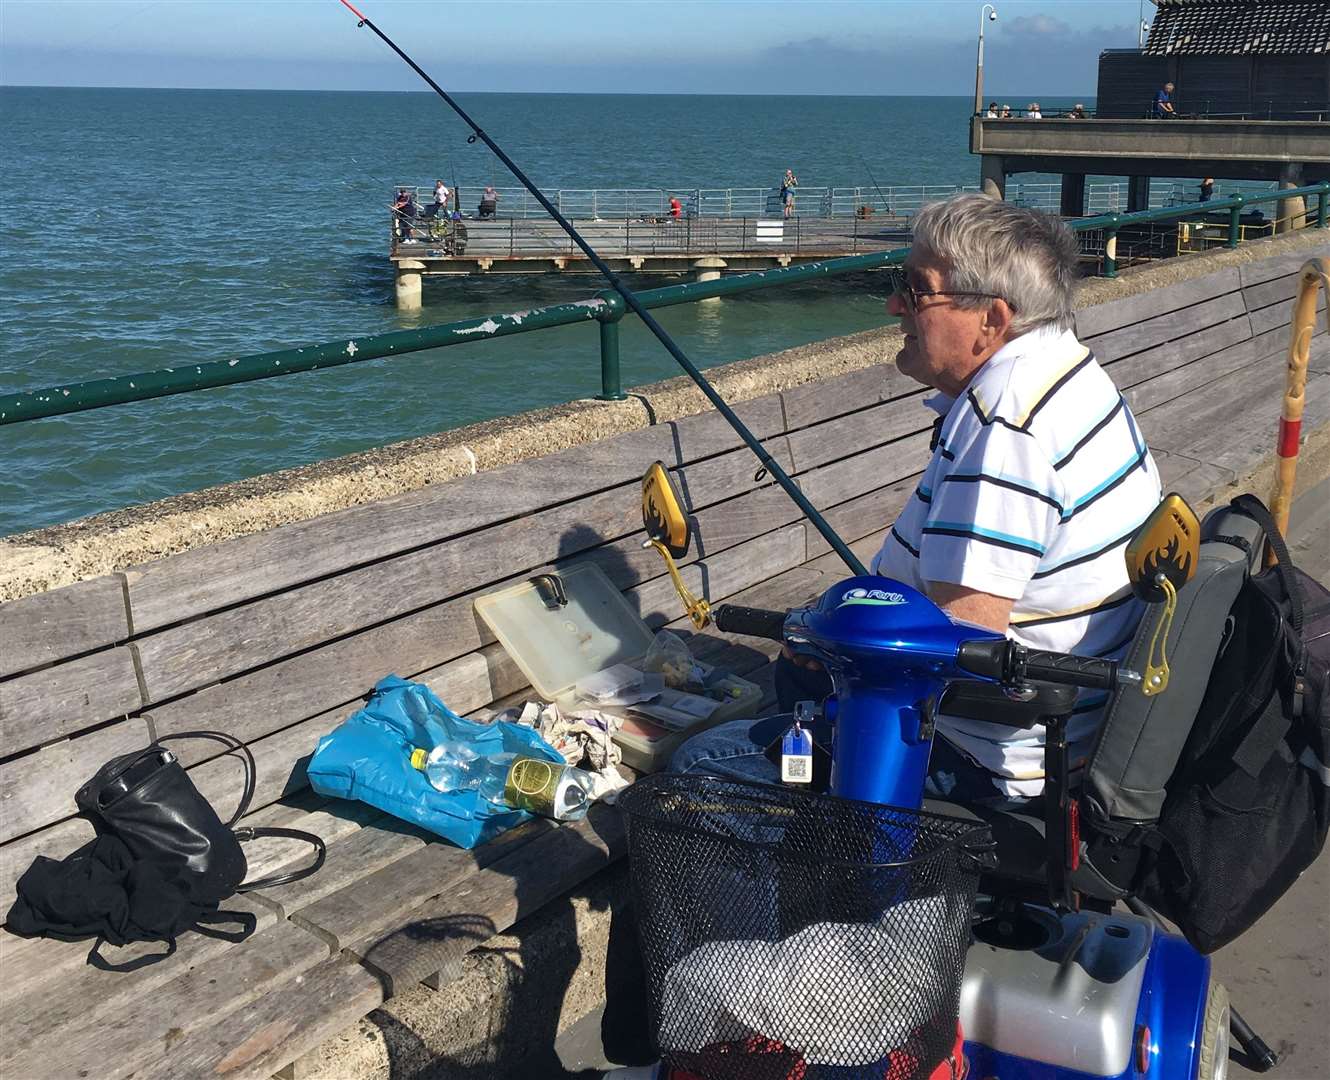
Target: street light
990 11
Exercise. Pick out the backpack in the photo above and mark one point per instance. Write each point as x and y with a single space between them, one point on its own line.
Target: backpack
1247 804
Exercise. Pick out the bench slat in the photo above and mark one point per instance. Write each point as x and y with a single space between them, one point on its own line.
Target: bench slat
1254 273
1097 319
1168 386
238 570
51 626
38 789
58 701
1139 336
862 516
1280 315
1193 480
846 436
442 931
265 1035
1179 352
378 902
351 858
114 1039
33 1007
816 402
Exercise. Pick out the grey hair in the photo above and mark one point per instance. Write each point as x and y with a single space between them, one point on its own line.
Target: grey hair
1029 259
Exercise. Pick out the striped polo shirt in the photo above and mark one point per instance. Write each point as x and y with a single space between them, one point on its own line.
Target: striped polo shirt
1038 479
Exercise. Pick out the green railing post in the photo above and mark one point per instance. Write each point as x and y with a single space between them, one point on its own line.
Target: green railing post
1111 247
1235 220
611 384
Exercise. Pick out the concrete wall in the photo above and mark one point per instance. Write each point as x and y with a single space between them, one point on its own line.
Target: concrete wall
60 555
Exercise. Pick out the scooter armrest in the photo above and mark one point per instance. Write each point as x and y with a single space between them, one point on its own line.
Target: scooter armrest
988 703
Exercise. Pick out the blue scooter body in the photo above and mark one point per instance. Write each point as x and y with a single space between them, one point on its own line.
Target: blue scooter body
890 652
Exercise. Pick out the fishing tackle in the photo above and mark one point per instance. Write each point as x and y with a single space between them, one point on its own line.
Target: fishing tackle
631 301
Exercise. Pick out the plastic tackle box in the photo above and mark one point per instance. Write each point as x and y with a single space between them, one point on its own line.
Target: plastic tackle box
560 628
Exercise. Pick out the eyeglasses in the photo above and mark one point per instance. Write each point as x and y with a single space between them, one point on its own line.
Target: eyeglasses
909 295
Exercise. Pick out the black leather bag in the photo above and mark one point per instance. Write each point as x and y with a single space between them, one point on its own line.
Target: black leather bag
163 861
148 800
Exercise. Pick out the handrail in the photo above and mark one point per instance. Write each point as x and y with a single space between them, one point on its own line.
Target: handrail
607 308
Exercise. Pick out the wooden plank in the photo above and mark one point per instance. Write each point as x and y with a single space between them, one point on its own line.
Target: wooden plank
55 702
378 902
1163 388
1099 319
862 516
1280 316
865 547
50 626
34 1007
1174 354
856 433
815 402
220 575
1194 480
332 820
351 858
1138 336
1231 421
115 1038
1254 273
442 931
832 485
207 650
38 789
260 1038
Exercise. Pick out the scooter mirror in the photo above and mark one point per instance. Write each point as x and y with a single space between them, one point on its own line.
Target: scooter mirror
662 511
1167 544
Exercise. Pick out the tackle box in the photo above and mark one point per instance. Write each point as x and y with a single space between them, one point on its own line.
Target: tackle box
560 628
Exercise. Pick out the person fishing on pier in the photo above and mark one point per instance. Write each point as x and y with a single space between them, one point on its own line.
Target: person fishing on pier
787 186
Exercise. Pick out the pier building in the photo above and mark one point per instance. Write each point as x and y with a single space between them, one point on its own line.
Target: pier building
1251 100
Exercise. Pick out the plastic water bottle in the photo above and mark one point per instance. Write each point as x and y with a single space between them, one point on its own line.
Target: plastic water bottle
512 781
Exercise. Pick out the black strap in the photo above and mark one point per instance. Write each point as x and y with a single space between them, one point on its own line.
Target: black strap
232 743
97 960
1256 510
320 853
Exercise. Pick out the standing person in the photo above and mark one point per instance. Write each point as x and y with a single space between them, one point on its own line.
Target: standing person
1033 111
489 202
1077 112
1164 102
992 113
404 211
441 194
787 186
1207 188
1006 112
676 207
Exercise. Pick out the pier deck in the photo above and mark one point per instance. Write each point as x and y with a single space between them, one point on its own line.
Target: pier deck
646 245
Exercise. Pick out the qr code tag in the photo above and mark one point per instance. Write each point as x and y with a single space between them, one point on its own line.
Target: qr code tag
796 756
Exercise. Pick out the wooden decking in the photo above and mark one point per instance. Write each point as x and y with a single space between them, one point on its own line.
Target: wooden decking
661 245
275 637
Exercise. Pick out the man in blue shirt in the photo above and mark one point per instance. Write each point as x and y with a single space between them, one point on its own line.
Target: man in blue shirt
1164 102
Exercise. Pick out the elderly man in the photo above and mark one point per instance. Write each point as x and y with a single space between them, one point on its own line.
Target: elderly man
1038 478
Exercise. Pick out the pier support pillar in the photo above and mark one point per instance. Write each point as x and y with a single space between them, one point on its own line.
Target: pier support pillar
1138 193
993 176
708 268
408 285
1291 213
1073 195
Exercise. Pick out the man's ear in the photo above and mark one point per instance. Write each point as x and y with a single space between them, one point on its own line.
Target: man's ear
997 320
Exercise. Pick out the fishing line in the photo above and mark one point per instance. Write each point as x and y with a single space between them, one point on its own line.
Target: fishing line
885 205
630 299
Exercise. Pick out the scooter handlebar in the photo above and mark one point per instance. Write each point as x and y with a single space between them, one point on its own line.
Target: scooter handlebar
755 622
1011 664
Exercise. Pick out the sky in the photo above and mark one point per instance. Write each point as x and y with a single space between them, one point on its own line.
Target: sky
926 47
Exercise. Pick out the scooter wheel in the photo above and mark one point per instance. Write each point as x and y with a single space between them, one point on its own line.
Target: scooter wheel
1213 1057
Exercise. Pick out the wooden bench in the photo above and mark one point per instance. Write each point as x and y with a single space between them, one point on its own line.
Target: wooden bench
276 637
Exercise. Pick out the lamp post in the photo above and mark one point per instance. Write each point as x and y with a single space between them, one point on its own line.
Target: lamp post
990 12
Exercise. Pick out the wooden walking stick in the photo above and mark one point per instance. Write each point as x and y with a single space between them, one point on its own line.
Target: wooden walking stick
1314 274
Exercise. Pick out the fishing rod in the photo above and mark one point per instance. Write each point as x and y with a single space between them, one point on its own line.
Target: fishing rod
885 205
630 299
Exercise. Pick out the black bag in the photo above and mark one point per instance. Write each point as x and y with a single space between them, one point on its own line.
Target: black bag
1248 804
162 861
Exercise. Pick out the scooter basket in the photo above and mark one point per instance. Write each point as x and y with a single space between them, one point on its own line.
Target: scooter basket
792 936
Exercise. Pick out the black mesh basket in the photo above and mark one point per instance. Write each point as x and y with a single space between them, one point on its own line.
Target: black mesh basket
788 935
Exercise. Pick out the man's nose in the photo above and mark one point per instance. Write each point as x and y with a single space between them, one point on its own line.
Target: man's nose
895 305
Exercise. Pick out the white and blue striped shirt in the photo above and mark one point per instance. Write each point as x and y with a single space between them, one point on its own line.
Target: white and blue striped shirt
1038 480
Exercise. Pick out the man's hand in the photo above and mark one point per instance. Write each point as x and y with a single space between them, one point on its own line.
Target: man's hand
981 608
798 660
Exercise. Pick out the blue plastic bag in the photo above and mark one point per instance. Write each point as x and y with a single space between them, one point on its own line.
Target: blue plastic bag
368 757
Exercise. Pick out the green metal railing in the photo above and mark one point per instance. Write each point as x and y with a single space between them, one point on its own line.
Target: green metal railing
607 308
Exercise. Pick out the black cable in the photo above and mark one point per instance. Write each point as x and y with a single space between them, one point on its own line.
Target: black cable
768 462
